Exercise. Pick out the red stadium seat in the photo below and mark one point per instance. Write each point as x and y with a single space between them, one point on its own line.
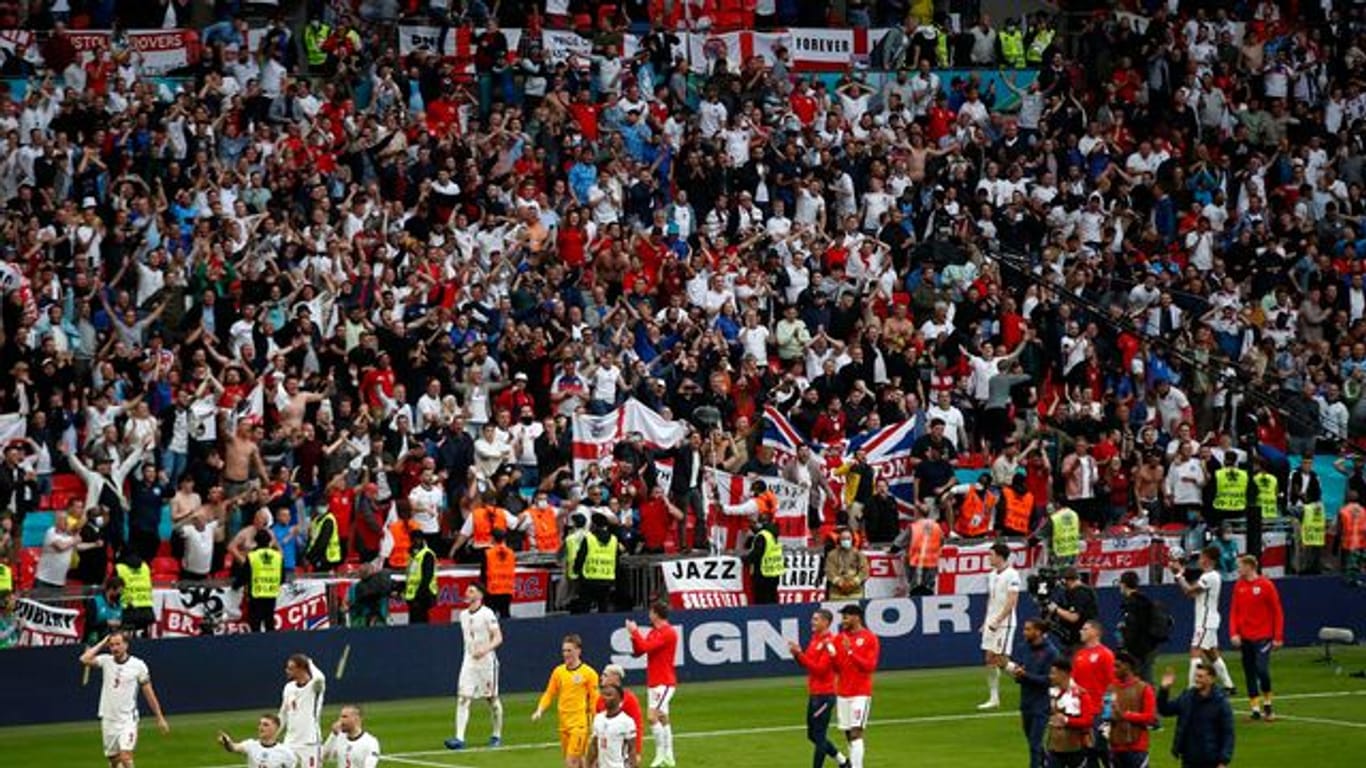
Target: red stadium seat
165 569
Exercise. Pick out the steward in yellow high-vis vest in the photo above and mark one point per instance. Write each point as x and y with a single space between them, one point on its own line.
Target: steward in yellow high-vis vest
765 559
1065 536
419 585
596 564
1012 45
137 593
266 570
324 543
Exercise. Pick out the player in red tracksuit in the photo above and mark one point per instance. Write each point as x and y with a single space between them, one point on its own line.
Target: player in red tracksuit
1256 626
856 652
1093 669
819 662
1133 710
660 648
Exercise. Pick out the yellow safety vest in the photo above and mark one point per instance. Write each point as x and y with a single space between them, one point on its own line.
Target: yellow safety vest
1314 526
137 585
1040 44
1268 497
1012 48
413 582
572 542
6 579
314 37
267 569
333 554
941 47
1066 533
772 565
1230 490
601 563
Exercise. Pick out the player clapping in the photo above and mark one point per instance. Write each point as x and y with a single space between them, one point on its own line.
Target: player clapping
659 646
350 746
819 662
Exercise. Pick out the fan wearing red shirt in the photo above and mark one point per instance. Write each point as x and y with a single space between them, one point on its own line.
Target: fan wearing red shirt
856 652
1133 710
659 646
819 662
1093 670
1256 626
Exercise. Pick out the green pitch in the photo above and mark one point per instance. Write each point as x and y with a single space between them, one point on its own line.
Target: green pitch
921 718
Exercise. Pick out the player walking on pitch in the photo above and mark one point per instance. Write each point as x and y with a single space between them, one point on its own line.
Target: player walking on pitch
856 653
614 733
350 746
479 671
575 685
998 629
123 676
1205 593
659 646
301 710
264 751
819 662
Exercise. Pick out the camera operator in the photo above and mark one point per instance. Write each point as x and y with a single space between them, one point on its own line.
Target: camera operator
1068 608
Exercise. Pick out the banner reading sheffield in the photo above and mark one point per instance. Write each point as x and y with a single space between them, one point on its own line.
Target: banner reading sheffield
705 582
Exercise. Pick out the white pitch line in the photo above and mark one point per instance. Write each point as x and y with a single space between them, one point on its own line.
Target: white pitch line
1320 721
961 717
411 761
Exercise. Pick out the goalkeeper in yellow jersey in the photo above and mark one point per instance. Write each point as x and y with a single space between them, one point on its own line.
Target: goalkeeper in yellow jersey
576 685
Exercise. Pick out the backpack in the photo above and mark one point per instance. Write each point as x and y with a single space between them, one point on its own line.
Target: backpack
1160 623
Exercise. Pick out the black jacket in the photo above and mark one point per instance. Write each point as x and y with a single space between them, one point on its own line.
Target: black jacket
1204 726
1136 624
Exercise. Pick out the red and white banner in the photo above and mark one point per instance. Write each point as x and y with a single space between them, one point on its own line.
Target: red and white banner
1106 559
158 51
886 576
301 605
727 531
528 597
42 624
963 568
705 582
1275 551
596 436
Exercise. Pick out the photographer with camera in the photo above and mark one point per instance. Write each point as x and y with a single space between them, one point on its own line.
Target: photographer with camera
1067 607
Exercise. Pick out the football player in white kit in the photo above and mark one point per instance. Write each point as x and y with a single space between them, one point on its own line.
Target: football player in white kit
998 629
350 746
301 710
124 675
479 670
614 733
264 751
1205 592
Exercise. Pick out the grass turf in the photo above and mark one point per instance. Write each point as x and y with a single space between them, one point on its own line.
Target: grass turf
922 718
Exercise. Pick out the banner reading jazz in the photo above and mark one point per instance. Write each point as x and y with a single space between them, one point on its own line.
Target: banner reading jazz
705 582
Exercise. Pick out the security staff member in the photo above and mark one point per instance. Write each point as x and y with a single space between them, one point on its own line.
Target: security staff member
137 592
574 537
922 556
266 571
1235 496
1070 606
1040 41
596 564
1268 490
765 559
6 578
324 543
419 583
1017 508
500 575
1012 44
1062 530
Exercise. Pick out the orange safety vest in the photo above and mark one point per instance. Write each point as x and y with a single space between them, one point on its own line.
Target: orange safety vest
767 503
927 539
1018 510
486 521
500 568
403 544
1352 523
975 516
545 527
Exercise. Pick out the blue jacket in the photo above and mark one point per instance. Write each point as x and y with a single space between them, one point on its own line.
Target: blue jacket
1037 659
1204 725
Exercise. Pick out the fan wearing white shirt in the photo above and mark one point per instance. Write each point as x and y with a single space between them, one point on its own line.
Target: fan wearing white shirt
349 745
301 710
1205 592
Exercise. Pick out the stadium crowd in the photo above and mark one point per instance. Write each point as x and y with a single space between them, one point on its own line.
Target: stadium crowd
323 294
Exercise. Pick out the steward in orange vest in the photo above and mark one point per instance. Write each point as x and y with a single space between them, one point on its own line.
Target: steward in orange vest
399 533
922 556
977 511
500 575
1019 507
1352 535
545 526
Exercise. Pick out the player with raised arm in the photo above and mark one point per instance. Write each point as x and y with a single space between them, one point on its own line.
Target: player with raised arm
998 628
819 662
349 746
660 647
614 733
856 653
575 685
479 671
301 710
264 751
1205 592
124 675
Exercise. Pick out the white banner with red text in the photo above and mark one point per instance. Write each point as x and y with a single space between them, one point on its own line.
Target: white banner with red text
528 598
183 611
155 51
